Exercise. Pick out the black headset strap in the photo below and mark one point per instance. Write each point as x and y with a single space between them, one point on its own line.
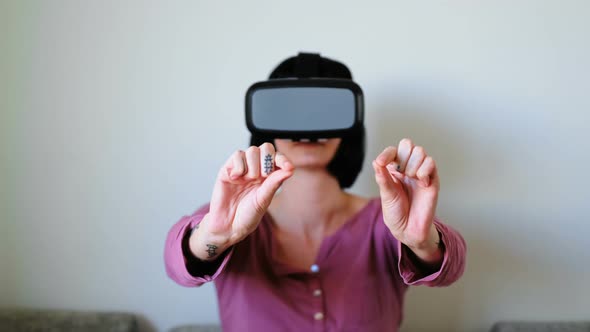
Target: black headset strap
307 65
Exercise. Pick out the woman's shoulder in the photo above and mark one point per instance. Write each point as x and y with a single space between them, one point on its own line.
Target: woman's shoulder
366 207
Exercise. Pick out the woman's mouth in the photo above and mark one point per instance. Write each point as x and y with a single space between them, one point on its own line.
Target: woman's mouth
309 143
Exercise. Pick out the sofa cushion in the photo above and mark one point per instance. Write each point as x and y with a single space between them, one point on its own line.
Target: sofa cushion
541 327
196 328
30 320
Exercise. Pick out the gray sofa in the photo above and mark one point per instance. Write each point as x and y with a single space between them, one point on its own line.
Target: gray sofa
541 327
498 327
31 320
196 328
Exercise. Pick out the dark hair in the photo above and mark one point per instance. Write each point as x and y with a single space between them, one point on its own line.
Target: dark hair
348 160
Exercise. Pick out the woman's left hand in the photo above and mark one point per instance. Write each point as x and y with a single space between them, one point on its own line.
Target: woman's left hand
409 184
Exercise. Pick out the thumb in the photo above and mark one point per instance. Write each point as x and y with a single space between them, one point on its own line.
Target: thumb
271 184
390 188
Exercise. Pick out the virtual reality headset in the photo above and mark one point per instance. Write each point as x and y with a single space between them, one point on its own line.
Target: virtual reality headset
303 108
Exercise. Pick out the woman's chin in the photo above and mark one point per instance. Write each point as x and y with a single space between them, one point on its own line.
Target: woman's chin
310 164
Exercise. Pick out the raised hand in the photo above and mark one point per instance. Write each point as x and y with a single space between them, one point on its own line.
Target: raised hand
408 184
243 191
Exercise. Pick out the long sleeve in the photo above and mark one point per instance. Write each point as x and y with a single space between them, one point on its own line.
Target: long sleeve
452 267
181 266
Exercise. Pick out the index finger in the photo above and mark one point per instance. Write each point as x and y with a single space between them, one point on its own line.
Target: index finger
387 156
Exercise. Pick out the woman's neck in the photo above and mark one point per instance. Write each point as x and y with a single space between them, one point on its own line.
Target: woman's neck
309 201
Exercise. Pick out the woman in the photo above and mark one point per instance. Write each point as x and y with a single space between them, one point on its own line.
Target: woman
311 256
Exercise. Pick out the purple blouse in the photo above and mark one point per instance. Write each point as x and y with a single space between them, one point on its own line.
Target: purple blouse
357 283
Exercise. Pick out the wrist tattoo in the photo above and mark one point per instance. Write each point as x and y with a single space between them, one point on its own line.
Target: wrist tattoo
211 250
268 164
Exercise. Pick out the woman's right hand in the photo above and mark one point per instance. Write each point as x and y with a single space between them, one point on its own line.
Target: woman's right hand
243 191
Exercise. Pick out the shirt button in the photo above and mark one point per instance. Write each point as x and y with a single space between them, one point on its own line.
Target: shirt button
315 268
318 316
317 292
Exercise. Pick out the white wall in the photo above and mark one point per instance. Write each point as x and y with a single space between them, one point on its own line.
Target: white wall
117 114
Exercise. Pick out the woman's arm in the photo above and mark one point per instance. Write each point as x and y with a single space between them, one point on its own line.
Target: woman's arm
182 265
242 193
416 271
409 185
